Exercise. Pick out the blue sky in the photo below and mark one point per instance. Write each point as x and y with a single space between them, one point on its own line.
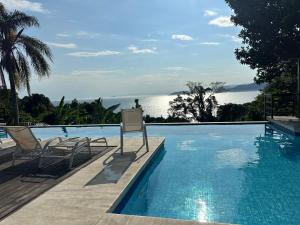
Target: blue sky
134 47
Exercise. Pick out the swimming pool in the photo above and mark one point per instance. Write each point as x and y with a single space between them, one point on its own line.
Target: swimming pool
244 174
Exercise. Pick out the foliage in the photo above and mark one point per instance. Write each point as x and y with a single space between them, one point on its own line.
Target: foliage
20 54
197 105
252 111
36 105
270 34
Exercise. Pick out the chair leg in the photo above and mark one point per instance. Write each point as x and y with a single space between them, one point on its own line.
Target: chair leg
89 147
122 142
71 161
146 138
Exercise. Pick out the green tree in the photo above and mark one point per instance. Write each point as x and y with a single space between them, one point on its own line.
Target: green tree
36 104
270 34
20 54
198 104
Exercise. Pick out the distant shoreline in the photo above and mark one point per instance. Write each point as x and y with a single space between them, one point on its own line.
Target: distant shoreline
232 88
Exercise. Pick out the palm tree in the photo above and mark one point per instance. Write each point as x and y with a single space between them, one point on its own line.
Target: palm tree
20 54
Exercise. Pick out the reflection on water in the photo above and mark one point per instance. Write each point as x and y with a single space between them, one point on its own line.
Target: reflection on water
65 131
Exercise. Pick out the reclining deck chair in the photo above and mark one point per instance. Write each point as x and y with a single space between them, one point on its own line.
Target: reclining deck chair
132 121
28 145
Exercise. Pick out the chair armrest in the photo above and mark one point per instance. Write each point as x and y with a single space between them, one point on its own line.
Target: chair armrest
81 143
50 141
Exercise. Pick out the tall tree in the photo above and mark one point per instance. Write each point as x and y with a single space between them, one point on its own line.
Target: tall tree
198 104
270 33
20 54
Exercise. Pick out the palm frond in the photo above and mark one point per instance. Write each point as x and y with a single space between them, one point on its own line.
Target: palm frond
38 62
113 107
18 19
37 44
24 70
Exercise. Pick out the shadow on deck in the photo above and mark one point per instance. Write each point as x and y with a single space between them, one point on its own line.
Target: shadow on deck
23 182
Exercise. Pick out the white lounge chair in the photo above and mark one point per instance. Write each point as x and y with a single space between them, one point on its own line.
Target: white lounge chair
132 121
28 145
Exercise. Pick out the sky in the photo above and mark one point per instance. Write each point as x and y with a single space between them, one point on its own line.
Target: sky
133 47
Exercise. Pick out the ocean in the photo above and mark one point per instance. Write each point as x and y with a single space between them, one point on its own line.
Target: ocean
158 105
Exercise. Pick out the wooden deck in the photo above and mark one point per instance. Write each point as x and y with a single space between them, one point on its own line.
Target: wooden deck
23 182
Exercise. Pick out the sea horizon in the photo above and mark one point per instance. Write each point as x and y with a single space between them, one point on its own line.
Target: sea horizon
158 105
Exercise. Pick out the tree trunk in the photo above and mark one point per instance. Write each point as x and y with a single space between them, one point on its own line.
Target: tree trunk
14 101
2 80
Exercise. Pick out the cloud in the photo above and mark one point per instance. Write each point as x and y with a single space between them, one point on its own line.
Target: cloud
182 37
232 38
87 34
222 21
62 35
210 43
94 54
210 13
150 40
236 39
62 45
24 5
136 50
177 68
94 72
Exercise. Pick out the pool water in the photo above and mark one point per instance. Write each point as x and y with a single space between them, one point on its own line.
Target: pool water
243 174
230 174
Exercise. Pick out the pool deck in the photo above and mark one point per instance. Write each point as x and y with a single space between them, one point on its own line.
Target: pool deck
89 196
23 182
289 123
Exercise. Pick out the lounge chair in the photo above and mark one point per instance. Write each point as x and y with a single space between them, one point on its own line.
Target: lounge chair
27 145
132 121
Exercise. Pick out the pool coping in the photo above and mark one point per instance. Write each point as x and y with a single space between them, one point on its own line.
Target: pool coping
154 124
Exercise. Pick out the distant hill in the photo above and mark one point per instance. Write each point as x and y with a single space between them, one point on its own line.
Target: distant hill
233 88
179 93
245 87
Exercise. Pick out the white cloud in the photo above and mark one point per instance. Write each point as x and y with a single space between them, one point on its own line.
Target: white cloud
182 37
210 43
210 13
87 34
236 39
62 35
150 40
24 5
177 68
136 50
232 38
62 45
94 54
93 72
222 21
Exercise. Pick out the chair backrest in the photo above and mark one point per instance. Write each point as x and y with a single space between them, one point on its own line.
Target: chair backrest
132 119
23 137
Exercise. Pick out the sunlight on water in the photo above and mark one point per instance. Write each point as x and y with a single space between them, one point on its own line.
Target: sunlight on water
158 105
202 211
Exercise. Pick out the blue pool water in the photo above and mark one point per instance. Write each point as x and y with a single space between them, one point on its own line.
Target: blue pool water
244 174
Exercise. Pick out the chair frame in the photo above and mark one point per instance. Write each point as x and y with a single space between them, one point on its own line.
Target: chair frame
42 152
143 130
